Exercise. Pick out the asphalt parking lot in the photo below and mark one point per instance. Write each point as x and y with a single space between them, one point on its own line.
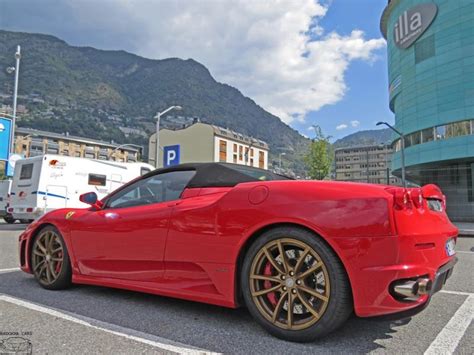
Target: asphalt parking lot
87 319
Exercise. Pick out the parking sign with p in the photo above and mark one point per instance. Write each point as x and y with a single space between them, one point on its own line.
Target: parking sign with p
171 155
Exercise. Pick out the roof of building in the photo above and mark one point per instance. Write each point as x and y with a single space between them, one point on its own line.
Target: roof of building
46 134
364 147
230 134
221 174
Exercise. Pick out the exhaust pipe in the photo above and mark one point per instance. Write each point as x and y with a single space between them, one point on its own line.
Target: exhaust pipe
406 289
424 286
412 288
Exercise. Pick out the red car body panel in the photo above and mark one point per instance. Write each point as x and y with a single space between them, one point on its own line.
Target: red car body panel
191 248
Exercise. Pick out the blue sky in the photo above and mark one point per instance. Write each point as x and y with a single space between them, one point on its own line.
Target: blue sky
366 100
308 61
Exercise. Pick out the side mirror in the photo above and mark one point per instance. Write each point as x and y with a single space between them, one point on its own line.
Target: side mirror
90 198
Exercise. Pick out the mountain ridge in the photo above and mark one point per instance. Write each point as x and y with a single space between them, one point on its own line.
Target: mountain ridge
82 88
366 137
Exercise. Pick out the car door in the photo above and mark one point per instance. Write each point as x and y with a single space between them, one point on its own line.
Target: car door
126 238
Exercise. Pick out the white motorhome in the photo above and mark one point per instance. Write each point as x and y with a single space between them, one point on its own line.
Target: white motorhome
48 182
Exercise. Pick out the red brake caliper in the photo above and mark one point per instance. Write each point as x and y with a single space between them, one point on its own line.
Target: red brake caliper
267 284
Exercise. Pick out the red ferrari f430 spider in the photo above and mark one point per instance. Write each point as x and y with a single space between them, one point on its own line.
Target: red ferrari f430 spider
302 256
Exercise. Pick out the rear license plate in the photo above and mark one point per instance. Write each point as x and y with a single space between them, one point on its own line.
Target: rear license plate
450 245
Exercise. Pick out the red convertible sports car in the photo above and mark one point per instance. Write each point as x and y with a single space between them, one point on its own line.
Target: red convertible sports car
301 255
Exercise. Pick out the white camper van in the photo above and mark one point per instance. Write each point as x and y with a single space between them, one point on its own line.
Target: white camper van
47 182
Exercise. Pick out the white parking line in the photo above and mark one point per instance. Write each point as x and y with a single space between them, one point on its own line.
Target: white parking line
148 339
460 293
448 339
4 271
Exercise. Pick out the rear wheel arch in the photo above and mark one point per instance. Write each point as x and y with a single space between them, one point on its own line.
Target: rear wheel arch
254 236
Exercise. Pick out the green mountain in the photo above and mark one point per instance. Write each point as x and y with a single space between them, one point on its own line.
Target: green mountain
91 93
370 137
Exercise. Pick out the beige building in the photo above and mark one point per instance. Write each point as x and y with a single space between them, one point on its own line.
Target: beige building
203 142
364 164
32 142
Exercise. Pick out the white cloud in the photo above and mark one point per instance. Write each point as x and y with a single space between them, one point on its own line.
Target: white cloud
341 127
355 123
274 51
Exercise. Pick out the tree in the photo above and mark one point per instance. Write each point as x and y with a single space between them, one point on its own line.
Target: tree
318 160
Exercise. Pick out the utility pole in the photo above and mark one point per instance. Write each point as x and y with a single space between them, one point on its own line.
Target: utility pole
10 70
402 145
158 119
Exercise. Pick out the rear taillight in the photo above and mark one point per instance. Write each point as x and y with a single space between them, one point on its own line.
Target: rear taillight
10 210
401 198
406 198
29 209
416 196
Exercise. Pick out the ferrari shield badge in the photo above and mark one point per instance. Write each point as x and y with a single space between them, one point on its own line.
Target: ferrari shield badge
69 214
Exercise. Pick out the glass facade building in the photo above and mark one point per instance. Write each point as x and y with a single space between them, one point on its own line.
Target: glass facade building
431 85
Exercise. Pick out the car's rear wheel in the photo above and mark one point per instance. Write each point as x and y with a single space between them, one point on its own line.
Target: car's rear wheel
294 285
50 260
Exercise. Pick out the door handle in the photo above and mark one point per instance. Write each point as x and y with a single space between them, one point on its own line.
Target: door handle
174 203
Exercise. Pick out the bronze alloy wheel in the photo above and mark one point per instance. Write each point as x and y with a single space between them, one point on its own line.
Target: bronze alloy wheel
289 284
47 257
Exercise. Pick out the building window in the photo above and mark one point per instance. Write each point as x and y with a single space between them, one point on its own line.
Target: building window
241 153
427 135
222 150
408 141
415 138
458 129
261 160
440 132
425 49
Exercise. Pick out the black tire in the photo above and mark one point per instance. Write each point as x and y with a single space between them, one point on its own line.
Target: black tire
9 219
64 276
25 221
337 309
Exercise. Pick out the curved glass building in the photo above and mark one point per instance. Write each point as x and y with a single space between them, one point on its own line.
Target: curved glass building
431 85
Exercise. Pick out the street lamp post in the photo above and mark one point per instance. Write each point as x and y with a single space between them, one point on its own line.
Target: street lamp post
10 70
402 145
158 118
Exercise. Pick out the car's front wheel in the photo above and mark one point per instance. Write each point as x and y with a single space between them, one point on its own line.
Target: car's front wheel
294 285
50 260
